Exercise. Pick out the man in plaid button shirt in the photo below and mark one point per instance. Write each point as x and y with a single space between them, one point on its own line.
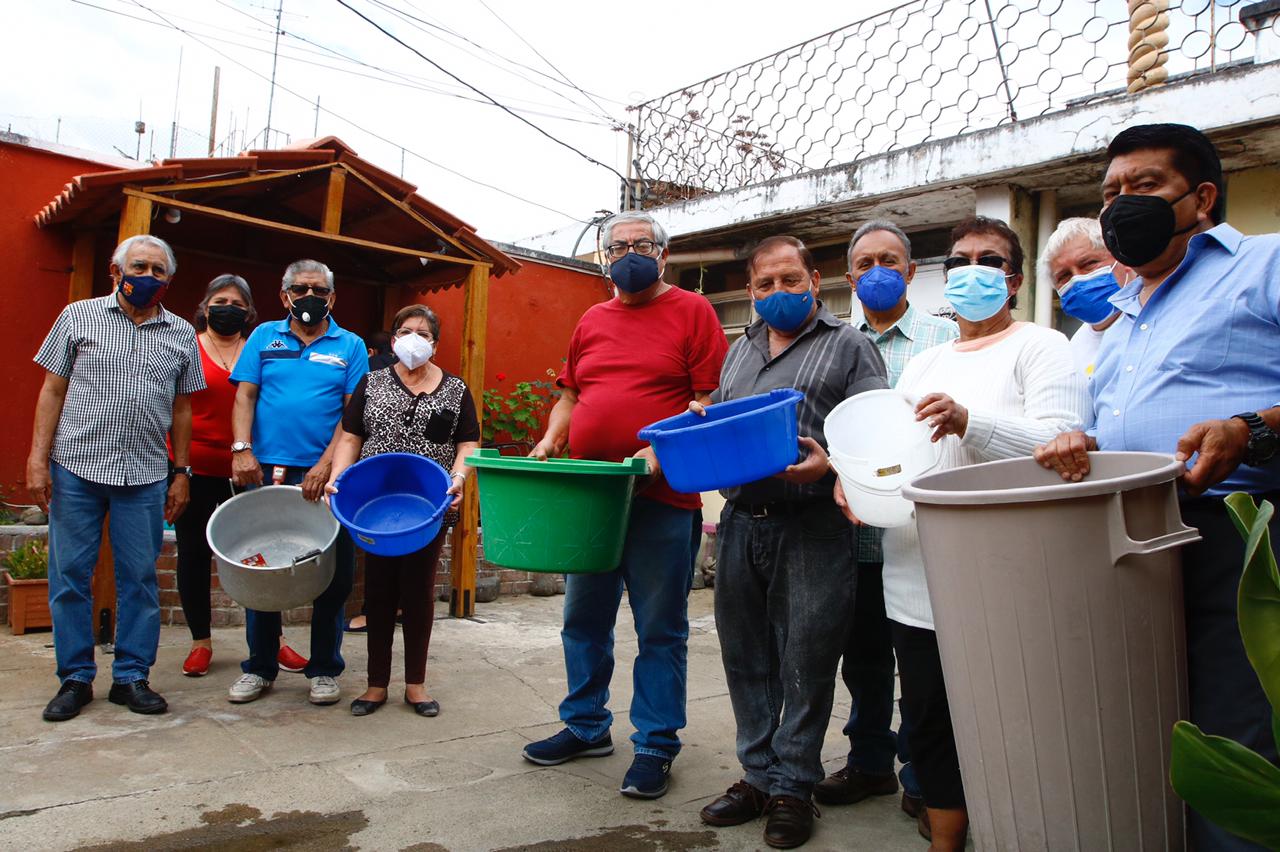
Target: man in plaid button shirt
880 268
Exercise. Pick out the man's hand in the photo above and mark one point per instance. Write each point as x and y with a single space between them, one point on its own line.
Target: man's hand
1068 454
945 415
179 495
697 408
543 450
1221 445
245 469
811 468
838 494
39 483
315 480
655 469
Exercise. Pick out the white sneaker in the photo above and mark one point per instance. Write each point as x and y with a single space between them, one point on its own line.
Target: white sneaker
247 688
324 690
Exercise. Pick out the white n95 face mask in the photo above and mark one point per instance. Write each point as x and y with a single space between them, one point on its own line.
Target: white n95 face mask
413 350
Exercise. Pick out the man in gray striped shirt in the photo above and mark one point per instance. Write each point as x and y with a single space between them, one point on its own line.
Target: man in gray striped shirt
121 370
785 575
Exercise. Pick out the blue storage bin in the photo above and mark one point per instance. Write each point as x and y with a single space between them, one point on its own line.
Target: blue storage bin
737 442
393 503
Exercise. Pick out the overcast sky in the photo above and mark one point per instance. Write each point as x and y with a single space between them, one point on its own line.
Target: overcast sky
99 65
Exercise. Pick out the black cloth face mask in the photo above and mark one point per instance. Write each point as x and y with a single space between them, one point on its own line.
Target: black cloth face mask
309 310
1138 228
227 320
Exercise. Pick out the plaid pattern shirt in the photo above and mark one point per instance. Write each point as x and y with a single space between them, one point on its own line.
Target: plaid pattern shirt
122 380
913 333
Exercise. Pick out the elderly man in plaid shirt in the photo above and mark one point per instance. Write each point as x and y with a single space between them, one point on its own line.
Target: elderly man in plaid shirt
121 370
880 268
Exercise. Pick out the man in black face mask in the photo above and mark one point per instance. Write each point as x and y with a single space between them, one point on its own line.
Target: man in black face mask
1195 337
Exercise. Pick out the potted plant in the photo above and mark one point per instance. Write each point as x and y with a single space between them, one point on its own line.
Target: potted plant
517 415
27 573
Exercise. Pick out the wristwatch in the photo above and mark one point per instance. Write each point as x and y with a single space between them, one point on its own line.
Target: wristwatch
1263 440
174 470
240 446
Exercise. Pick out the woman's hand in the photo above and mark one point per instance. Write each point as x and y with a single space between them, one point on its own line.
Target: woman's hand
330 488
811 468
945 415
455 488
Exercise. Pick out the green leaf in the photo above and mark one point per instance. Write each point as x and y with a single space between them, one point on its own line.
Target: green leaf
1259 597
1238 789
1275 729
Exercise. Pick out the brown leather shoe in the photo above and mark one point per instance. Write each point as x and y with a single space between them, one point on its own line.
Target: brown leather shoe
790 822
922 825
846 786
740 803
912 806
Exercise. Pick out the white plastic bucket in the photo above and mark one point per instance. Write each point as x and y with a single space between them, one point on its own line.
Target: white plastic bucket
877 446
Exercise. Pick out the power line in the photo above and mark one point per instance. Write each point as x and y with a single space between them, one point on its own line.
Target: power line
510 112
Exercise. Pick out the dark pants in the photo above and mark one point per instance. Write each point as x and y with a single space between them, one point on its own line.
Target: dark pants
1226 697
868 671
406 582
784 590
925 708
194 554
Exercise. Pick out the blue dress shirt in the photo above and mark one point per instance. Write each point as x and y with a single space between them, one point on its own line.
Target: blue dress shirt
1206 345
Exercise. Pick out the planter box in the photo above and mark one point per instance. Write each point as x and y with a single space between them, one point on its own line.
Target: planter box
28 604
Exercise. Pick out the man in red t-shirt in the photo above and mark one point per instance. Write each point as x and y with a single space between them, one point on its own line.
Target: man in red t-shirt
633 360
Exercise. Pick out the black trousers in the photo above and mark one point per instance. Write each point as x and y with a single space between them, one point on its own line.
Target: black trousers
925 709
194 555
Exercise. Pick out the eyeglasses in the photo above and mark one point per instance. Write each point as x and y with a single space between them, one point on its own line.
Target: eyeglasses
619 250
995 261
319 289
405 332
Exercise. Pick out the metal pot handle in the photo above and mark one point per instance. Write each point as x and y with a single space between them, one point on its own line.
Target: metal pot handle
309 556
1122 545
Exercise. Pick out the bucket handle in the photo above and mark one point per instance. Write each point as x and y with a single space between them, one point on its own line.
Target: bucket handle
1122 545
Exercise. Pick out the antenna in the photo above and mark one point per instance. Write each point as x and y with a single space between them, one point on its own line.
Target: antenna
275 55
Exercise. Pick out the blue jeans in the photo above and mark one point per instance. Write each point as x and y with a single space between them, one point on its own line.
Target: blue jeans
868 672
784 590
657 572
262 629
136 516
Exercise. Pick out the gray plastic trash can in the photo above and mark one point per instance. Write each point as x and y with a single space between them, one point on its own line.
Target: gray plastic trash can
1059 614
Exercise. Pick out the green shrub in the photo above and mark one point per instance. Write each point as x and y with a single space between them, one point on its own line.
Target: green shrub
29 562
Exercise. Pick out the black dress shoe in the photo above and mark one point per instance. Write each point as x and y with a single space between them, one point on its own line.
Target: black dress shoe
361 707
424 708
138 697
790 822
72 695
912 805
740 803
846 786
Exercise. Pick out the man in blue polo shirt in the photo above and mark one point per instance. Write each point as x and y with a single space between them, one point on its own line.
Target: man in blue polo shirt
294 377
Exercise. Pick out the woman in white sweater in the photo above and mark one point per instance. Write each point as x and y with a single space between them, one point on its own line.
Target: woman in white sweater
999 391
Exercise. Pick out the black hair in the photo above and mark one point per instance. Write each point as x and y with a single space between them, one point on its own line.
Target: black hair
379 342
1194 156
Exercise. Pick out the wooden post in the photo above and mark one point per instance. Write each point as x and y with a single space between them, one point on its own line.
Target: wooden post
81 268
475 321
135 218
331 220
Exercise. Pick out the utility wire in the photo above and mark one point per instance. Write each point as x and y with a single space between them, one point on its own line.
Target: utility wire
505 109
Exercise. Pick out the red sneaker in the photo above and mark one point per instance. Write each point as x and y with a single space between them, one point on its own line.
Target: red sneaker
197 662
290 660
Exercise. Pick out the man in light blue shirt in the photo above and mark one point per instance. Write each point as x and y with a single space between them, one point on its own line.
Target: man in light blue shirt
1196 339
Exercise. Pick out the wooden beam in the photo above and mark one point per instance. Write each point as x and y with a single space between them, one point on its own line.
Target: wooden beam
254 221
475 321
81 267
135 218
403 207
331 220
259 177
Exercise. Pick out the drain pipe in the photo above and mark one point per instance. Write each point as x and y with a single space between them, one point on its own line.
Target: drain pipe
1045 225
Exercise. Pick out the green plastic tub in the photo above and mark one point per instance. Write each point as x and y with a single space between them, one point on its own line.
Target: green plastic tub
560 516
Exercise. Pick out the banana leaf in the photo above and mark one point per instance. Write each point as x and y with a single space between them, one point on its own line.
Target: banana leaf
1259 597
1235 787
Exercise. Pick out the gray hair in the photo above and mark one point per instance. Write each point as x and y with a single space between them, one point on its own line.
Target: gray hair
872 226
1067 231
659 232
216 286
299 266
121 254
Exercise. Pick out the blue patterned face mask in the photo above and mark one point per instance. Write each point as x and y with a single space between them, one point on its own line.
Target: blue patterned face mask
785 311
976 292
1085 296
142 291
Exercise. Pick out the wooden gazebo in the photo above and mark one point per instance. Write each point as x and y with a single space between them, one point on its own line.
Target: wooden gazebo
317 199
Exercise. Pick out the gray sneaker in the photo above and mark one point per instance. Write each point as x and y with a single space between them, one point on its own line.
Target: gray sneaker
247 688
324 690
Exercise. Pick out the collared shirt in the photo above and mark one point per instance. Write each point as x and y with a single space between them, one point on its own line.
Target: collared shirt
914 332
122 378
1204 346
300 389
829 361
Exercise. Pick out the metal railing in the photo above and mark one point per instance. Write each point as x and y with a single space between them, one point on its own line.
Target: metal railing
927 69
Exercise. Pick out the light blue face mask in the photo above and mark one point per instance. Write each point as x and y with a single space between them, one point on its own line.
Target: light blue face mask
976 292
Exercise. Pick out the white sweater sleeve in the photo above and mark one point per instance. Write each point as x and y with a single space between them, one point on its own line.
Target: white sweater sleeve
1054 400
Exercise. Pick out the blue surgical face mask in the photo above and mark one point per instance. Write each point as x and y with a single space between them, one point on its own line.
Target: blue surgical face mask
1085 296
142 291
881 288
634 273
785 311
976 292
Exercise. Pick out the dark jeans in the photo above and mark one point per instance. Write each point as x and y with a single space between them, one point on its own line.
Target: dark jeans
406 582
784 591
868 671
194 554
1226 698
262 629
925 707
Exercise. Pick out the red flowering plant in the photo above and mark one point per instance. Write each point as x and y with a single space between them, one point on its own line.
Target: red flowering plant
519 415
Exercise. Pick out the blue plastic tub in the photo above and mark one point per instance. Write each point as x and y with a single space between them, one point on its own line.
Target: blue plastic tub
393 503
737 442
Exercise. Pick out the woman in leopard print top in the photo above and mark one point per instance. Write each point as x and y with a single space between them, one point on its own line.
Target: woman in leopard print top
412 406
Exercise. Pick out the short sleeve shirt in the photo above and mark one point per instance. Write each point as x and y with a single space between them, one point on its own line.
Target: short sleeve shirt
122 378
391 419
301 389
